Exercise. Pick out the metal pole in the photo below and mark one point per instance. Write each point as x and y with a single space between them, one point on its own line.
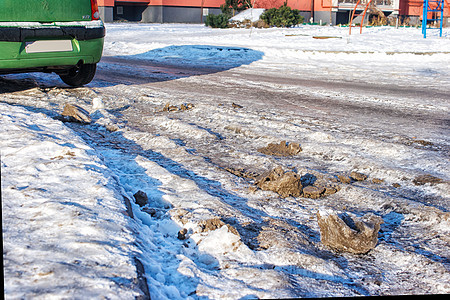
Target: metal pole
364 16
351 18
424 18
442 17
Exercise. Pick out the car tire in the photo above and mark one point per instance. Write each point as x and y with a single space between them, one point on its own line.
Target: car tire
79 75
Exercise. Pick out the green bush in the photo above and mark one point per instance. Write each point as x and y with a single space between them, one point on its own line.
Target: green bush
217 21
282 17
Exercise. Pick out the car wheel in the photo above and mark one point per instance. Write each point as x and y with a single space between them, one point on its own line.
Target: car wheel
79 75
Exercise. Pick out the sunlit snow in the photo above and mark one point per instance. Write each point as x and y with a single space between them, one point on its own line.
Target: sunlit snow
67 232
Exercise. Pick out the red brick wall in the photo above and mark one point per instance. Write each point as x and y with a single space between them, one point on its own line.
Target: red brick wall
407 7
303 5
188 3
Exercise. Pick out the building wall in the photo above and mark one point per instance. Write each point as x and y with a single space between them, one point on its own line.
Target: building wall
105 2
302 5
127 12
177 14
411 7
194 11
106 13
158 11
187 3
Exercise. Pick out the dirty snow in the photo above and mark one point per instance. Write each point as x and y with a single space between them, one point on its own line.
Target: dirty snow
66 229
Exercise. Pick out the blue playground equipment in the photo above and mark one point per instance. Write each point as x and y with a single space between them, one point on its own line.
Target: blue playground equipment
436 7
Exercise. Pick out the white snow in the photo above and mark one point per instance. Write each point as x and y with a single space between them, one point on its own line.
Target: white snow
251 14
66 231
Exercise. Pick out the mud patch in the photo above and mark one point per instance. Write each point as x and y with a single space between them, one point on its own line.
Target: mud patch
424 179
183 107
344 179
377 180
281 149
241 172
353 176
358 176
235 105
215 223
273 233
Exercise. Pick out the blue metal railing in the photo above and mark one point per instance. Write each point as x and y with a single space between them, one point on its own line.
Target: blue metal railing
436 7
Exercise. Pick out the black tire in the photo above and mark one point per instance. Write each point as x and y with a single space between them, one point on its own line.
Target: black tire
79 75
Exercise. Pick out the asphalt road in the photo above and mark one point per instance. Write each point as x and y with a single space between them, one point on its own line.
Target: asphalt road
255 87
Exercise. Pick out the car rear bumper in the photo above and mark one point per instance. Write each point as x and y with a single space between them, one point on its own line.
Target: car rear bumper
14 57
21 31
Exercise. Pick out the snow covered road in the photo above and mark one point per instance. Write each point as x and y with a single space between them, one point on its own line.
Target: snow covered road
181 112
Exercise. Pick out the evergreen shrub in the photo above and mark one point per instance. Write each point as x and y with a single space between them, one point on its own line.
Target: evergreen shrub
217 21
282 17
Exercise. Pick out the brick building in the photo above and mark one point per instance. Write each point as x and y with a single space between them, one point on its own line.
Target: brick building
194 11
158 11
339 11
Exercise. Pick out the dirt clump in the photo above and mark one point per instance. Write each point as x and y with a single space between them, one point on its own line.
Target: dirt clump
358 176
377 180
329 190
185 106
182 234
354 176
313 192
289 183
281 149
180 215
344 232
317 191
344 179
141 198
75 113
283 183
424 179
423 142
274 233
215 223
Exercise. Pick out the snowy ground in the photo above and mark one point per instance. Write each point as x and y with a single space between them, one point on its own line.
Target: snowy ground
376 103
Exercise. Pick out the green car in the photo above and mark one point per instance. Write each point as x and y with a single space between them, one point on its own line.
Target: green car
61 36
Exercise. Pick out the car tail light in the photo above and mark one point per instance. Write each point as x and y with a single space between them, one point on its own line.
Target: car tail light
94 9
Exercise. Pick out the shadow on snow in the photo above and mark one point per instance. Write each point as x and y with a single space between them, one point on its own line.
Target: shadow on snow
162 64
172 62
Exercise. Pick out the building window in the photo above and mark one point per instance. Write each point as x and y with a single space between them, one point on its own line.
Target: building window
120 10
206 11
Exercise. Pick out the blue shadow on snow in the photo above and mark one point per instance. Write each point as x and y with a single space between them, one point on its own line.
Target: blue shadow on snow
171 63
220 57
